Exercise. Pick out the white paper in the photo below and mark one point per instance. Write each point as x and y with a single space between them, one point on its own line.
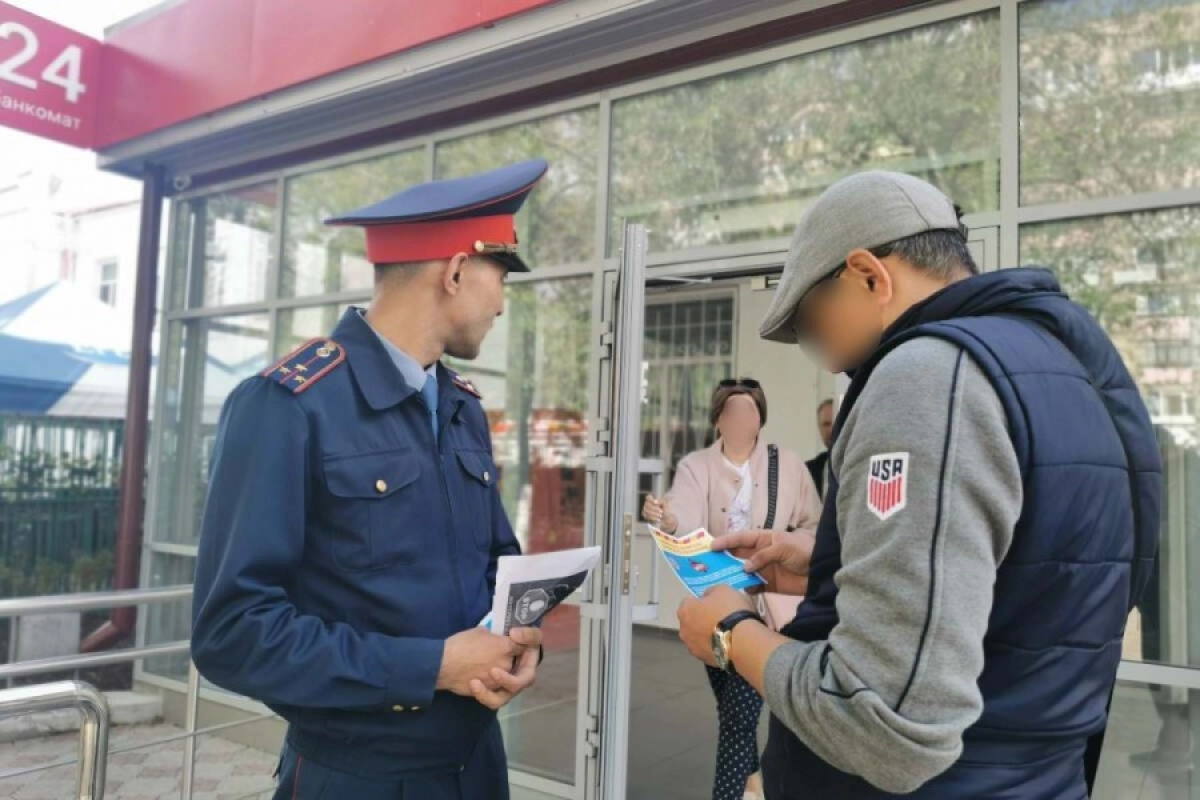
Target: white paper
528 587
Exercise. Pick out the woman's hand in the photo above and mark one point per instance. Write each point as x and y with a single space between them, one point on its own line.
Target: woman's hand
782 558
655 511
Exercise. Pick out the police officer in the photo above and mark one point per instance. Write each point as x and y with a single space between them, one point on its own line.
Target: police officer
352 528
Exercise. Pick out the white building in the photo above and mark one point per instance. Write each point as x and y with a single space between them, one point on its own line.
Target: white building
82 228
30 232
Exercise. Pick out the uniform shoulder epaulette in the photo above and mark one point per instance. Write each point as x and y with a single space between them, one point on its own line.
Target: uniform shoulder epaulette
464 384
307 364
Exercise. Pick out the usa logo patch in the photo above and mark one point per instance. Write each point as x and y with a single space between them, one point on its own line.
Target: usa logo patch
887 484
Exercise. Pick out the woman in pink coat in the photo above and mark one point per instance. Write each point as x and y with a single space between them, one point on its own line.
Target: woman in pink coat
727 488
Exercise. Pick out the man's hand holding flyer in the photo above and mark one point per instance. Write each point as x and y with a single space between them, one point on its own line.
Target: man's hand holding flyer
693 559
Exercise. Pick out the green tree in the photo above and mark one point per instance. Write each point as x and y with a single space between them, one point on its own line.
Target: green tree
549 321
1109 98
314 197
737 156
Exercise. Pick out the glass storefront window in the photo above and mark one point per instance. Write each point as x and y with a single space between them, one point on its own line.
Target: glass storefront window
558 222
239 239
169 411
169 622
1139 274
1151 745
185 214
736 158
214 356
319 259
1110 96
299 325
533 375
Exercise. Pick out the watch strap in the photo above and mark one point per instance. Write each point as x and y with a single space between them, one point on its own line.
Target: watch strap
727 624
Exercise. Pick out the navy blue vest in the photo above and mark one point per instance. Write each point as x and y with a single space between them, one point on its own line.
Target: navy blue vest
1082 549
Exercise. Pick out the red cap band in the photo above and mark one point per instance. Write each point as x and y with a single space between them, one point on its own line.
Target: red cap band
405 242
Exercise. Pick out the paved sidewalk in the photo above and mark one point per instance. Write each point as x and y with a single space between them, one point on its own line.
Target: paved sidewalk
224 770
673 732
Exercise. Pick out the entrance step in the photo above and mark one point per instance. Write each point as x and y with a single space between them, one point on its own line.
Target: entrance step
125 708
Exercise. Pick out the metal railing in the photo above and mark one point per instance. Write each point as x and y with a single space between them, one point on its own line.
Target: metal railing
89 601
93 733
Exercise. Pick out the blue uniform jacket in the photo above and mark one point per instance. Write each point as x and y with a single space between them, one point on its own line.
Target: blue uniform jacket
340 547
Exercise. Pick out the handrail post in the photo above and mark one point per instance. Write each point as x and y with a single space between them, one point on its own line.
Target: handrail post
93 743
189 746
93 738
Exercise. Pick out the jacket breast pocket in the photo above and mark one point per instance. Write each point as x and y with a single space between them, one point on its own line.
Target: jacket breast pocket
479 477
374 511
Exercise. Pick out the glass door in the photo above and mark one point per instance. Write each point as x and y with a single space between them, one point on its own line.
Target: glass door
533 374
566 430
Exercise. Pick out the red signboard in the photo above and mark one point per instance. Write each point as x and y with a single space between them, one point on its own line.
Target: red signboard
200 56
197 57
49 78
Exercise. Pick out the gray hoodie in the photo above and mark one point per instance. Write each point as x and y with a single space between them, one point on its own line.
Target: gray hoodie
891 692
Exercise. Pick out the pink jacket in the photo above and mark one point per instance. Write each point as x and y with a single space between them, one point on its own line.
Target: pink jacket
705 484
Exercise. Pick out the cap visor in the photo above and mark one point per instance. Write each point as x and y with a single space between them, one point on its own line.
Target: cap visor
512 263
776 325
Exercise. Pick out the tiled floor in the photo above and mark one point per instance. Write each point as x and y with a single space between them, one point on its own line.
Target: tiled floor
673 722
1134 728
671 752
674 730
224 771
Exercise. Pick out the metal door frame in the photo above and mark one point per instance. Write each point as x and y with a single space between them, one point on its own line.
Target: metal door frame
613 468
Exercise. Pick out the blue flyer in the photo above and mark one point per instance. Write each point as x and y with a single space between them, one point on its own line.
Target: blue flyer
698 567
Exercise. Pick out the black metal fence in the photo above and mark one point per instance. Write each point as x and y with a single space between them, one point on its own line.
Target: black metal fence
58 504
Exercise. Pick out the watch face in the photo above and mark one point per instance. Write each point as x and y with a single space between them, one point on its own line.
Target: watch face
721 649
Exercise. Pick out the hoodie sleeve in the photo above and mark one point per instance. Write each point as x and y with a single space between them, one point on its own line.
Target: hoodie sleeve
929 491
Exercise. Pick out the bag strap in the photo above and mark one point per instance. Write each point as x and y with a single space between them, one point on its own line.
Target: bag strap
772 484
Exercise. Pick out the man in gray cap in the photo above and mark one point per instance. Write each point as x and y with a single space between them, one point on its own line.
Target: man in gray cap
991 515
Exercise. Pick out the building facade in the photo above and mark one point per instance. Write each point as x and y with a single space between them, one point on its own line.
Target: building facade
1069 132
75 227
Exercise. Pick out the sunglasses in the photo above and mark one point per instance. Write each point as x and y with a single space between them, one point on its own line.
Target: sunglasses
748 383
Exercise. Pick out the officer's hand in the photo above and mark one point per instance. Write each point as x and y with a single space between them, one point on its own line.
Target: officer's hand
472 655
510 684
782 558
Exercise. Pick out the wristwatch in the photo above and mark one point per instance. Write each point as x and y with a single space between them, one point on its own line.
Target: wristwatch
722 637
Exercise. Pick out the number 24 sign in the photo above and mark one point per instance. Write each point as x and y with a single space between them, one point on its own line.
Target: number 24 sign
63 71
48 78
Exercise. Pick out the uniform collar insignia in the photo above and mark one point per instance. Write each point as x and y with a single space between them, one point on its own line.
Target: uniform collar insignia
464 384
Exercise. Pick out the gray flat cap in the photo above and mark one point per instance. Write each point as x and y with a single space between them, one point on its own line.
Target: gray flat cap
866 210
